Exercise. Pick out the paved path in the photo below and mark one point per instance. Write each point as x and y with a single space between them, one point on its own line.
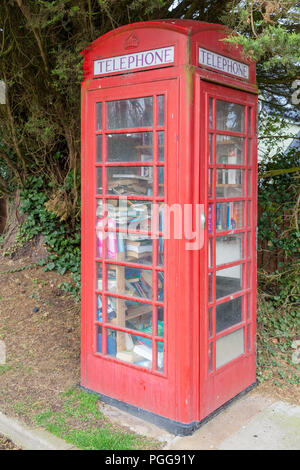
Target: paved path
252 422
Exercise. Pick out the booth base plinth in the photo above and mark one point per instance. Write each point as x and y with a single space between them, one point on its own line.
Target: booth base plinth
173 427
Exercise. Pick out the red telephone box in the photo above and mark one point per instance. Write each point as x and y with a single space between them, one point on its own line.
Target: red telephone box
168 221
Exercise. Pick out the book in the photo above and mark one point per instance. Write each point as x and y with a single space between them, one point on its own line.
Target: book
128 356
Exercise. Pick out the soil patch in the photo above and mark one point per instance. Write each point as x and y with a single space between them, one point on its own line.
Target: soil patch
40 326
6 444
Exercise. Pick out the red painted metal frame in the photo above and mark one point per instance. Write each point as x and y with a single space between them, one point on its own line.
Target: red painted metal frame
185 392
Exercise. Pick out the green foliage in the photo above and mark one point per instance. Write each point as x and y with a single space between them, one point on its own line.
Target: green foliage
279 290
63 242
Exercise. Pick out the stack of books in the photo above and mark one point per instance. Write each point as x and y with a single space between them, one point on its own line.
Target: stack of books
122 184
138 249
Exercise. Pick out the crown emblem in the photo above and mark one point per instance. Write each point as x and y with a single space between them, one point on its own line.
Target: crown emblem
131 42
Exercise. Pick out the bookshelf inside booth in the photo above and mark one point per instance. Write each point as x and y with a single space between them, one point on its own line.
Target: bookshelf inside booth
130 259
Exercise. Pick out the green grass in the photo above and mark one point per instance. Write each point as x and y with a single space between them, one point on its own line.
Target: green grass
79 422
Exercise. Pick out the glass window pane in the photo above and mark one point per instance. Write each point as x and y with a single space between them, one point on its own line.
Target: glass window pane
160 286
161 110
99 308
99 339
249 120
99 282
210 322
99 148
249 183
130 348
248 306
210 176
249 151
99 116
160 356
130 314
210 259
210 120
210 357
127 181
160 321
161 243
130 248
229 249
230 116
126 114
230 183
161 146
229 347
248 213
161 181
135 282
137 147
99 181
210 149
230 150
248 337
228 281
210 287
228 314
229 215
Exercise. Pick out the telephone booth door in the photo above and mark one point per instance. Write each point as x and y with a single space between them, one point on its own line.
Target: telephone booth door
228 287
130 172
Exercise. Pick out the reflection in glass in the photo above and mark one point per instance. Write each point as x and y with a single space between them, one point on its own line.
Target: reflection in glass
161 146
229 215
229 347
228 314
161 251
210 357
161 110
229 183
160 286
99 148
136 147
127 181
160 356
99 181
161 181
249 183
210 115
230 150
249 120
210 322
210 176
126 114
99 116
229 248
228 281
230 116
210 157
99 308
160 321
99 339
249 151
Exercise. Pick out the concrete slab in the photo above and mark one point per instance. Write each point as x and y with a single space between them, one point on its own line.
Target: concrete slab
29 438
211 434
275 428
